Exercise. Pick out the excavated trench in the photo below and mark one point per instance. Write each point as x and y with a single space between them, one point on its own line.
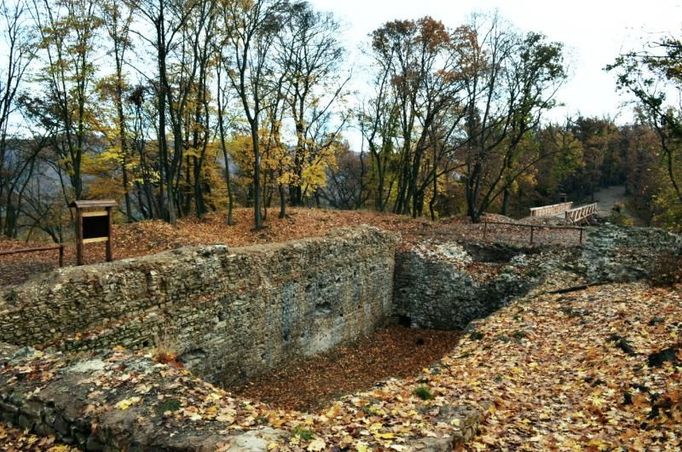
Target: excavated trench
439 289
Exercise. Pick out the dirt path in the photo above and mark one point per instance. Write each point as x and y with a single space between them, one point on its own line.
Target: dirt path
608 197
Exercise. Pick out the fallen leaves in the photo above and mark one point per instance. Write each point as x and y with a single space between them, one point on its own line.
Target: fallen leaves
15 440
596 369
127 403
593 387
312 382
149 237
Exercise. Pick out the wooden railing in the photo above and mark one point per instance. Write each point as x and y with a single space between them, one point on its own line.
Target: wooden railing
579 214
551 210
59 247
533 228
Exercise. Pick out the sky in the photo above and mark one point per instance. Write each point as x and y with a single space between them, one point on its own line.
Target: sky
594 32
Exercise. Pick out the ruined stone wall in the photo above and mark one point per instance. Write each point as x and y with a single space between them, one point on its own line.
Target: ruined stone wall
441 286
121 401
446 285
229 313
623 254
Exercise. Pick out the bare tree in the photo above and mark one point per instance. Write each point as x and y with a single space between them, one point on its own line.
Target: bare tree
18 57
67 30
511 81
117 21
419 88
246 48
310 56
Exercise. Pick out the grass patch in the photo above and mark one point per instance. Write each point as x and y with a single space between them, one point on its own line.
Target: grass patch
423 392
168 405
303 433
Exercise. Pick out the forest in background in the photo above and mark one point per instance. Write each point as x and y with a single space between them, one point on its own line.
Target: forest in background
179 108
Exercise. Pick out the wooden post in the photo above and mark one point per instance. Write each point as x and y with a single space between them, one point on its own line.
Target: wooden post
109 254
531 234
581 236
61 255
79 237
485 229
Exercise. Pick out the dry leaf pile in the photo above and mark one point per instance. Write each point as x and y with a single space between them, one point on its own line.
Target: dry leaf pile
599 369
310 383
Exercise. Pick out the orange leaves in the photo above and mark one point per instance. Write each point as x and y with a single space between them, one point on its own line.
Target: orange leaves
576 389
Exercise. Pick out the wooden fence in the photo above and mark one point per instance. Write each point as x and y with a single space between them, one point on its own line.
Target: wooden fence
59 247
551 210
579 214
533 228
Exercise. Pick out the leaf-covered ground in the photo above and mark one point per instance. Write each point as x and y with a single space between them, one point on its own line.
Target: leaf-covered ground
149 237
14 440
574 371
310 383
597 369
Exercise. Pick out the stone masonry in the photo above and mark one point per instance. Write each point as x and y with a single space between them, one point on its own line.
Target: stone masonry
229 314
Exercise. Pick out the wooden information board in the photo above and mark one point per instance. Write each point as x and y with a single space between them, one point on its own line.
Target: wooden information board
93 225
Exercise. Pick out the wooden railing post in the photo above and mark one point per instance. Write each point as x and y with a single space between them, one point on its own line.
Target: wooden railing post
59 247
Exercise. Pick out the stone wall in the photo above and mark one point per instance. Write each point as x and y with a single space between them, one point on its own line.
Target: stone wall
121 401
229 313
442 286
445 285
622 254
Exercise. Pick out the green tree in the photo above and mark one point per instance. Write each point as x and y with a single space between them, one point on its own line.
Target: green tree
653 76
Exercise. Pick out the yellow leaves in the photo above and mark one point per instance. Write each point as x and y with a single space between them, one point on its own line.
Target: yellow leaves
599 444
59 448
597 401
384 435
362 447
376 410
316 445
127 403
211 412
315 174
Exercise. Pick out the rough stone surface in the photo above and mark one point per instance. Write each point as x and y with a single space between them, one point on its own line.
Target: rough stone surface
228 314
43 393
623 254
436 288
66 402
232 314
